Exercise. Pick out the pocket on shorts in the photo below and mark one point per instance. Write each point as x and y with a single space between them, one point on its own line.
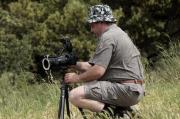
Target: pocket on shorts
96 93
111 94
136 89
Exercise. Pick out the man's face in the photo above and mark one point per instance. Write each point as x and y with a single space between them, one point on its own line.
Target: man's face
96 28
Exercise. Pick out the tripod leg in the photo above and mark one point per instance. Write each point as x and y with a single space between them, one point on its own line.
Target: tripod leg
61 103
67 101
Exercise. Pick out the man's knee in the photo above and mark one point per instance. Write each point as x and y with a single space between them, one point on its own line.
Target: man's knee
76 94
72 96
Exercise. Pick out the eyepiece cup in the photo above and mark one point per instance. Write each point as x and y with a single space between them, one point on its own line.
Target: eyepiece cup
46 64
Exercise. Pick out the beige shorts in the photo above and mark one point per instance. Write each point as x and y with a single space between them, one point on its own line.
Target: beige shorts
114 93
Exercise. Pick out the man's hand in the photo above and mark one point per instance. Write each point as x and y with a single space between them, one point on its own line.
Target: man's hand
71 78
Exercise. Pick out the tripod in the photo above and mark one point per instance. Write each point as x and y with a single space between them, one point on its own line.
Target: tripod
64 100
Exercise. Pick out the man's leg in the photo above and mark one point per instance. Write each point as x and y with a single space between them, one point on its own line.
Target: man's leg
77 98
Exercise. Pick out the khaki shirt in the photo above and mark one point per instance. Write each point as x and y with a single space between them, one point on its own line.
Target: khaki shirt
118 55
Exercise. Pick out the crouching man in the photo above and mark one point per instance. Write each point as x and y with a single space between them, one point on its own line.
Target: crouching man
114 75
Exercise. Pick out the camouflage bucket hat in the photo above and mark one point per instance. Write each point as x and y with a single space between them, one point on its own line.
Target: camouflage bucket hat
100 13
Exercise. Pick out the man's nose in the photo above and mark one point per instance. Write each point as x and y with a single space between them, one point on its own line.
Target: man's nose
91 29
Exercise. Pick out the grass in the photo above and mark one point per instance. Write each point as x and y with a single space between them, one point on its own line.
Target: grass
40 101
162 101
27 101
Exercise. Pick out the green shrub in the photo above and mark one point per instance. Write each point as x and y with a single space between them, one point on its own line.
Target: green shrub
33 28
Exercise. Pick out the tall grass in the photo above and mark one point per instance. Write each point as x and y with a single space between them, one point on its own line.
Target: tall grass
18 100
162 100
23 101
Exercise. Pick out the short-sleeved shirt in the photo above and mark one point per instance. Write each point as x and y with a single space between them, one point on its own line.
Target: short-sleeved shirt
118 55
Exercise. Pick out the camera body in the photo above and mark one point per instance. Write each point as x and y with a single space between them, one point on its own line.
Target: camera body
63 61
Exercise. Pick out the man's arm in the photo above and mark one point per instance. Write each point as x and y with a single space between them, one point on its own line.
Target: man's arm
82 66
93 73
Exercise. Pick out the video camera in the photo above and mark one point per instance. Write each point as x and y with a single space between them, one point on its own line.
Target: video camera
62 61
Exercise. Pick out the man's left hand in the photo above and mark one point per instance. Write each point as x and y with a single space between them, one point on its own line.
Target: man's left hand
71 78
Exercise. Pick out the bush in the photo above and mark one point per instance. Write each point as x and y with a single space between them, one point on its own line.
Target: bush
30 29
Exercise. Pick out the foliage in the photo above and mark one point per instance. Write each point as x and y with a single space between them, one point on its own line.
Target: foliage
30 29
15 53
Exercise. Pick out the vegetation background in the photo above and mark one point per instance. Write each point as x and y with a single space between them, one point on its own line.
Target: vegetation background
30 29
